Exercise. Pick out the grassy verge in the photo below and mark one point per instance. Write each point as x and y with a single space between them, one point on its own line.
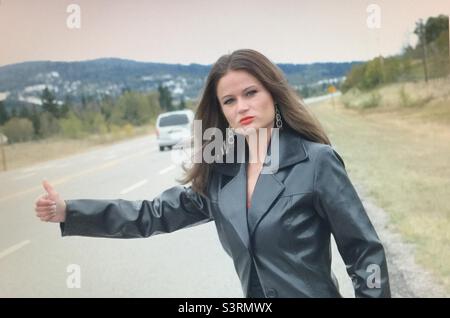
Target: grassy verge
402 157
27 153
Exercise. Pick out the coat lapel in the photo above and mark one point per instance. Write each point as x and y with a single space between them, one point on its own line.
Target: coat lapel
233 196
232 203
267 190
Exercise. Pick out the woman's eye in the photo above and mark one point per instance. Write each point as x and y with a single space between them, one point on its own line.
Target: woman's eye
249 93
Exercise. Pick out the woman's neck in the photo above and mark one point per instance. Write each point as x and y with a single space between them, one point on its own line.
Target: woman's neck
257 145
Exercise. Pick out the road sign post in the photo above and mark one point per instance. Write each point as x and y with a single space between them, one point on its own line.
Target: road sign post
332 89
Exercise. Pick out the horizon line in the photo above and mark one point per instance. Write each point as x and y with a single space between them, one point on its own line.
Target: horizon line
167 63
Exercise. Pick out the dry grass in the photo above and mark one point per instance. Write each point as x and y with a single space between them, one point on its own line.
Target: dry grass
402 155
24 154
426 102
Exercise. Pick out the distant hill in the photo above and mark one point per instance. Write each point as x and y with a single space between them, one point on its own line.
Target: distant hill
24 82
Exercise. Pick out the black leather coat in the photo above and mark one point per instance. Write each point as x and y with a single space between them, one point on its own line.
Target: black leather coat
293 212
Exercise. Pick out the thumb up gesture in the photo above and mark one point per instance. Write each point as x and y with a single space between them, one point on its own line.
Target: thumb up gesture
50 207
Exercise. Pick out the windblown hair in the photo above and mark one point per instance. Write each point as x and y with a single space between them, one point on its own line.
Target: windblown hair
292 108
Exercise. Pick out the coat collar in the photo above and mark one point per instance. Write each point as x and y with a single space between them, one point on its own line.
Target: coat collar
233 196
291 150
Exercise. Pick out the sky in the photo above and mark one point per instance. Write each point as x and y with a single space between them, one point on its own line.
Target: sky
200 31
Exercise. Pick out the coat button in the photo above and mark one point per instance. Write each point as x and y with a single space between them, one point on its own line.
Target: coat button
271 293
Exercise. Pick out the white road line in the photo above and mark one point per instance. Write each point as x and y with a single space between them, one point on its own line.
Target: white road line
88 158
28 170
67 178
134 186
167 169
41 166
109 157
14 248
62 165
46 166
25 176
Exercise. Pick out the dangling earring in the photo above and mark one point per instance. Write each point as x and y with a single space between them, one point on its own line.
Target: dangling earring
230 136
278 121
229 140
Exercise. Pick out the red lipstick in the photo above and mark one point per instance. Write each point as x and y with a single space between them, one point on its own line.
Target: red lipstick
247 120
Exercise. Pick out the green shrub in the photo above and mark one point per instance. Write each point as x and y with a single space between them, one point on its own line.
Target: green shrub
374 100
71 127
18 129
49 125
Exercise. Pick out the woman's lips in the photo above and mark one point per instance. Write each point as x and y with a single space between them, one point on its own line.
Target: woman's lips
247 120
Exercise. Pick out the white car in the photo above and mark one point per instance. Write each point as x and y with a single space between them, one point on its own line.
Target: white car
173 128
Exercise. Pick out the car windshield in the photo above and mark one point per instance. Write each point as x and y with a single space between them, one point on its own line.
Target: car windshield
174 120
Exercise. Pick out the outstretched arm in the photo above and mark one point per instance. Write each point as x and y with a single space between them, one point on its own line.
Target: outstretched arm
175 208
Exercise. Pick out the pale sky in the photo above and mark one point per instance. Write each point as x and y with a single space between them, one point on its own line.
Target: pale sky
199 31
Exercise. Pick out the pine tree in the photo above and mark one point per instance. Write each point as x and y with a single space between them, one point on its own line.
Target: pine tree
36 122
64 110
65 107
49 103
182 103
3 113
24 112
165 98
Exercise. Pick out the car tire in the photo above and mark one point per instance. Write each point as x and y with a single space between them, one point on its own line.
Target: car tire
161 148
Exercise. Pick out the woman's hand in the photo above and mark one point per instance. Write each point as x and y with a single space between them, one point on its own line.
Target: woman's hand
50 207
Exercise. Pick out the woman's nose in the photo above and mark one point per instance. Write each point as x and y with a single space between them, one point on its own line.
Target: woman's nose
242 106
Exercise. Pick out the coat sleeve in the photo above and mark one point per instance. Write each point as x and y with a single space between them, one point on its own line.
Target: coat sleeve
338 203
175 208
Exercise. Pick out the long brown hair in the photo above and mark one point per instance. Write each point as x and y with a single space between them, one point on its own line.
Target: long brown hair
292 108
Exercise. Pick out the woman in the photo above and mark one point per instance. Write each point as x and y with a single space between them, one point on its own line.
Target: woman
274 220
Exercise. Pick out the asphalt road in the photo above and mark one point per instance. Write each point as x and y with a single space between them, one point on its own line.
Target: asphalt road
35 261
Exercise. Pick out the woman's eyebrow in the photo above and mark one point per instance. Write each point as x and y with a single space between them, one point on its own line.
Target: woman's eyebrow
251 86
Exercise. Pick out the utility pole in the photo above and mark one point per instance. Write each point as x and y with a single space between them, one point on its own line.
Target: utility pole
383 74
381 58
421 30
3 140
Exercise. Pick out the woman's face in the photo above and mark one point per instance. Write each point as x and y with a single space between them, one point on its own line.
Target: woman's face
245 102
